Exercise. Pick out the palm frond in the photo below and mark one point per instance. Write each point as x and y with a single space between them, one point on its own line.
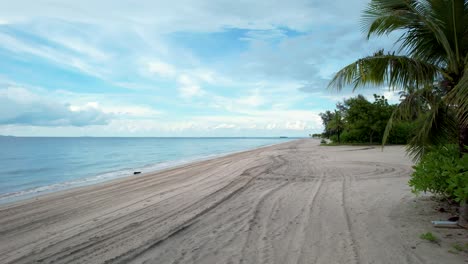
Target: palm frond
395 71
388 127
410 107
435 127
432 31
435 121
434 41
385 16
458 98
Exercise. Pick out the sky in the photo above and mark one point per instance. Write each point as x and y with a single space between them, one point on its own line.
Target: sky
176 68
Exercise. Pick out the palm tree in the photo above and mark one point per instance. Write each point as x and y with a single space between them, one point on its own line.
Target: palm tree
433 52
433 119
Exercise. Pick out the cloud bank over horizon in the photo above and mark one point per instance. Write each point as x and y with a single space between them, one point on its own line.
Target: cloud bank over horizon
179 68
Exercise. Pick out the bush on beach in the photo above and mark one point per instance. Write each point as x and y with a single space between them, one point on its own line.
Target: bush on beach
441 171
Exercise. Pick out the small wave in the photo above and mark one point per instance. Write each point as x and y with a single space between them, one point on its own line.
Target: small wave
13 196
31 192
126 172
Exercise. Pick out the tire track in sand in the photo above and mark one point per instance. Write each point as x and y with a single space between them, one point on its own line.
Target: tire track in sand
250 173
254 222
266 230
344 194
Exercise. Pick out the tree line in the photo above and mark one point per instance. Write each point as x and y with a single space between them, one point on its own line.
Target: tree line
357 120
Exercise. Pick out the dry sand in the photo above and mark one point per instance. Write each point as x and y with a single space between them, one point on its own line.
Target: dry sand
295 202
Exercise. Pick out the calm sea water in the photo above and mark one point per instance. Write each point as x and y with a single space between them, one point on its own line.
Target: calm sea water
31 166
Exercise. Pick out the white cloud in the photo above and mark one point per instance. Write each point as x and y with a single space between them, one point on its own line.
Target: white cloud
117 111
62 58
189 80
185 15
224 126
253 100
288 48
87 106
281 120
162 69
393 97
132 111
206 75
188 87
80 46
19 106
296 125
264 35
189 91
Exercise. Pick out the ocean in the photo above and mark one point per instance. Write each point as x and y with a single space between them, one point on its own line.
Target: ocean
34 165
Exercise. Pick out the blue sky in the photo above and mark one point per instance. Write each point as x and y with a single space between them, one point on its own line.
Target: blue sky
175 68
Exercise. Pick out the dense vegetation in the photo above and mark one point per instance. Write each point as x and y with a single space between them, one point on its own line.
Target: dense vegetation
442 172
356 120
431 68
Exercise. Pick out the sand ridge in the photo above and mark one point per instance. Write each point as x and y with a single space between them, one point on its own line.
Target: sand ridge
295 202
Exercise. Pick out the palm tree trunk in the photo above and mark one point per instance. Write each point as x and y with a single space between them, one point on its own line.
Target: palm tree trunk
463 221
463 139
463 143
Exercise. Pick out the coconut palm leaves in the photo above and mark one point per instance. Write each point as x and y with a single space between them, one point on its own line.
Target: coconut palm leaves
434 50
432 30
436 122
395 71
459 98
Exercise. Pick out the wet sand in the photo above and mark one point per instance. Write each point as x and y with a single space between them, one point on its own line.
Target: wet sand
295 202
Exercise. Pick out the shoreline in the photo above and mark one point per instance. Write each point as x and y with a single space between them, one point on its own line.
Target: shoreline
292 202
12 197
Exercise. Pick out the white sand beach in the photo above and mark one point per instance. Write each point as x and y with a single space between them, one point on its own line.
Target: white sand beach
295 202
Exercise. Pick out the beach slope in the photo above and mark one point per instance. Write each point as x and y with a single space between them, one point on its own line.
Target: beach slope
295 202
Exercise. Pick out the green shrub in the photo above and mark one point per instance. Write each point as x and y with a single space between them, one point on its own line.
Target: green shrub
351 137
460 247
429 237
334 138
442 171
401 132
